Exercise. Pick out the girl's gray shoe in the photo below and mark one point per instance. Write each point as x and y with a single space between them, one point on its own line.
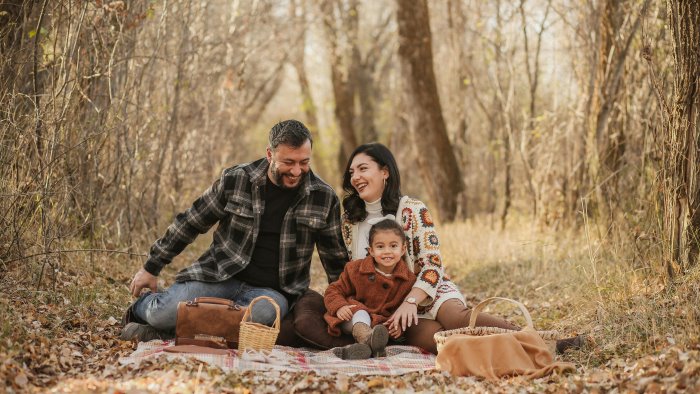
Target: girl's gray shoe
356 351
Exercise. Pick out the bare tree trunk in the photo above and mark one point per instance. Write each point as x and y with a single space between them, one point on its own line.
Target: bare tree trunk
503 102
436 160
44 163
365 95
370 68
343 71
299 11
171 138
374 70
533 74
681 147
507 179
456 21
297 59
578 188
606 134
37 87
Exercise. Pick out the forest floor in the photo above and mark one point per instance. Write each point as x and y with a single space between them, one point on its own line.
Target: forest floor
62 336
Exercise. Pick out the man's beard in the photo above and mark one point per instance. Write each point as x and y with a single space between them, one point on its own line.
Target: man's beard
278 177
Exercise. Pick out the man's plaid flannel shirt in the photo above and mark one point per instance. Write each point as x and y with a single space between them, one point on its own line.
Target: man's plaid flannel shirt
235 201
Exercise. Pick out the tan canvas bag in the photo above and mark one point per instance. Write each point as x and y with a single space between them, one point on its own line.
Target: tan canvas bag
492 353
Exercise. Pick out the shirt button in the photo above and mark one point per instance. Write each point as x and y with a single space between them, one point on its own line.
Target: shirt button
385 286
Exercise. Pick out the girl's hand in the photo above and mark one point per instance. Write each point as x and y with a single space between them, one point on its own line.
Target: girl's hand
404 317
394 332
345 312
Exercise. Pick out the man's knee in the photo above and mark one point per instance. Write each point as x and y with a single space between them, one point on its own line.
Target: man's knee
160 313
264 312
159 310
308 313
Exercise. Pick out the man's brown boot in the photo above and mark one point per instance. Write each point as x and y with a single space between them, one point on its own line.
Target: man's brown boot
376 337
578 342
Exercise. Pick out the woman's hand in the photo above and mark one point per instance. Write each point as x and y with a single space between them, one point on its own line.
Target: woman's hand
345 312
404 317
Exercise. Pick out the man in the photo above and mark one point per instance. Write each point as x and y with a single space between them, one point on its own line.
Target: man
270 214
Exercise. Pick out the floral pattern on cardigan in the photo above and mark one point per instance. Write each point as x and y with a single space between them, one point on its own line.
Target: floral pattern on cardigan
422 255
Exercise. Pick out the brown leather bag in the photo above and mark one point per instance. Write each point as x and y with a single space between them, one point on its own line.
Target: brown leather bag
208 321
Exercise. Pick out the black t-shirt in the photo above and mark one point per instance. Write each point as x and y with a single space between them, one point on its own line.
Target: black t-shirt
263 270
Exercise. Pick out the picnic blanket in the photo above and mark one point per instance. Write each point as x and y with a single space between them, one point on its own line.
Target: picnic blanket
399 360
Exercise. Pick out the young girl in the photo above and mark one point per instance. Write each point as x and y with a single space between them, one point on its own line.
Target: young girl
369 291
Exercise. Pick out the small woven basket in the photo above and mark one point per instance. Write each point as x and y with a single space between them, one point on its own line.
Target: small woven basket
441 337
258 336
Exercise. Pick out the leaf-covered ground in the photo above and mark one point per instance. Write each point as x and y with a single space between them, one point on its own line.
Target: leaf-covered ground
62 336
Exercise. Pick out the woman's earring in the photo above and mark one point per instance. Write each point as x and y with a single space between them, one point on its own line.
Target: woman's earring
384 182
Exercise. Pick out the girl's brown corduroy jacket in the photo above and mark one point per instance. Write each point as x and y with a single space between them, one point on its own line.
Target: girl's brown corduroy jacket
360 284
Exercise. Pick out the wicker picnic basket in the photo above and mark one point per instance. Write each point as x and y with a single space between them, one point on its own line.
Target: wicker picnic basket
549 337
258 336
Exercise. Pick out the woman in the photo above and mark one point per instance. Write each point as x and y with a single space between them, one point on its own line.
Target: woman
373 189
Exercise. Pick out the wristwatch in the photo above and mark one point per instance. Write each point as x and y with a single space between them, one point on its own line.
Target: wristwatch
410 300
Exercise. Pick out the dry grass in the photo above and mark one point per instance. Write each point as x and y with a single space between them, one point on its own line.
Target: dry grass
576 282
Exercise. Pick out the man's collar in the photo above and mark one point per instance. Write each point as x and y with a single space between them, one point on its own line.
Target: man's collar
257 171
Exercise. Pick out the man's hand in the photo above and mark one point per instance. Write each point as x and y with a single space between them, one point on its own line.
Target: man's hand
143 279
345 312
404 317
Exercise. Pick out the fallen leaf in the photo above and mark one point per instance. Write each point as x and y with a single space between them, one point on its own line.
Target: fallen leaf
21 379
653 388
342 383
376 382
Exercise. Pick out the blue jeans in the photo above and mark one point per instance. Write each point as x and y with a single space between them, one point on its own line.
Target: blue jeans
160 309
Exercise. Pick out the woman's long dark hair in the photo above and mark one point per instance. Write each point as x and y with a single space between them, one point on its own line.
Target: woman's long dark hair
354 206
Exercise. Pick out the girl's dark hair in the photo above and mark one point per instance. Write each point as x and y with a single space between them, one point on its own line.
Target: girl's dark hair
353 205
387 225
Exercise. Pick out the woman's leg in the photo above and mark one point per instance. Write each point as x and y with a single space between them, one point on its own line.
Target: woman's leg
421 334
453 314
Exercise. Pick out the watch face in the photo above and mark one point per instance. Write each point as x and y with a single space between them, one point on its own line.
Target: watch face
411 300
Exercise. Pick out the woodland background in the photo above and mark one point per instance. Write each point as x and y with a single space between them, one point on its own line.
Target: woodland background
556 141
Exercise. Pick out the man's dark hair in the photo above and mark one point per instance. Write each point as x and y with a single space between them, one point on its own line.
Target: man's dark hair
354 206
289 132
387 225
